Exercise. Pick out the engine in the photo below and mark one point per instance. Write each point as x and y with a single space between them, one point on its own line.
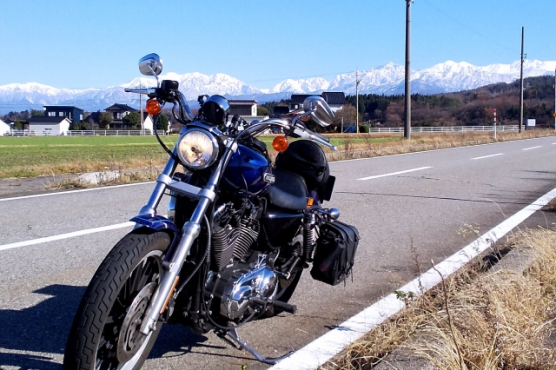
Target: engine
235 289
239 274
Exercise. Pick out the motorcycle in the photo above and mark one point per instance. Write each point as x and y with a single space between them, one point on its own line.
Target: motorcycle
238 234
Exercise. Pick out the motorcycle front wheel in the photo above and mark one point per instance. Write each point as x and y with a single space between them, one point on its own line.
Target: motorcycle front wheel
105 332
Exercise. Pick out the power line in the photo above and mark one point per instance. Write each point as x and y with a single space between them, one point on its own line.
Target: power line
457 20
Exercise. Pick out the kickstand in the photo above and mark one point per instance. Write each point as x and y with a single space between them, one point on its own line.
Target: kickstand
234 338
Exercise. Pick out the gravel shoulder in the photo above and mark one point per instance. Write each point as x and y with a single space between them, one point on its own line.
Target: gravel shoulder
28 186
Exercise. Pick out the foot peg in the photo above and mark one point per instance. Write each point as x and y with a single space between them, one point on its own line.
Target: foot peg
282 306
286 307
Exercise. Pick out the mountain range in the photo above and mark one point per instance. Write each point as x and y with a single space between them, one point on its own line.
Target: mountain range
388 79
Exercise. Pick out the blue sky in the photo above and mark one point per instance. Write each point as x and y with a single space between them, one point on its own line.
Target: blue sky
83 43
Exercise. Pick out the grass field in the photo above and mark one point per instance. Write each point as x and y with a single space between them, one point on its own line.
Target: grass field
40 156
36 156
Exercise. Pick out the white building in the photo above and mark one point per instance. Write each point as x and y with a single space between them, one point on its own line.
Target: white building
4 128
49 126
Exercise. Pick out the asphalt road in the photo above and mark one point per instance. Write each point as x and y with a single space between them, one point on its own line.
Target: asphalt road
423 202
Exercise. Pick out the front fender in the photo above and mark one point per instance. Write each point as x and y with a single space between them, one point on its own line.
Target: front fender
156 222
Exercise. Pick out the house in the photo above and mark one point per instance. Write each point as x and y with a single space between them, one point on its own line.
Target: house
74 114
4 128
46 126
247 109
334 99
119 111
280 110
243 108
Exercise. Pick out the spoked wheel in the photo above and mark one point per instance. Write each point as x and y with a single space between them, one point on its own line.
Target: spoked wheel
105 333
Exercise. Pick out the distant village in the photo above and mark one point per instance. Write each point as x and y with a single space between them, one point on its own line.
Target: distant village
63 119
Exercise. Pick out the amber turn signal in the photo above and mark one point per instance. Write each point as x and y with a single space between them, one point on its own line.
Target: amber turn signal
153 107
280 143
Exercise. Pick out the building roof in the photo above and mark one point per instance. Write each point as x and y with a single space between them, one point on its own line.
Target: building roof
121 108
299 98
242 102
331 97
48 107
45 119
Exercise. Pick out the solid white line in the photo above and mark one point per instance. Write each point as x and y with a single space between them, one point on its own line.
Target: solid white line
324 348
73 191
533 147
65 236
393 173
488 156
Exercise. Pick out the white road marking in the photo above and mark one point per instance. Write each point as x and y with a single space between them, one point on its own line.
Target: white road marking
65 236
324 348
393 173
531 148
73 191
488 156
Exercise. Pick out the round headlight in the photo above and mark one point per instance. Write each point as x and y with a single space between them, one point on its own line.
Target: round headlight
197 149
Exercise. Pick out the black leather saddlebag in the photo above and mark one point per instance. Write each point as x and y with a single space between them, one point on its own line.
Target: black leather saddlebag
335 253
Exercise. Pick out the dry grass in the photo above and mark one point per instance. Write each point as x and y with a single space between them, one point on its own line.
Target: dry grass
116 178
475 321
360 146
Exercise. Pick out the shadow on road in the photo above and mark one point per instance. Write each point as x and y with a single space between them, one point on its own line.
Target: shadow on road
43 328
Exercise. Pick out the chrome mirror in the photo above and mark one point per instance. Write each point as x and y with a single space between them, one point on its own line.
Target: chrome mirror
150 65
320 111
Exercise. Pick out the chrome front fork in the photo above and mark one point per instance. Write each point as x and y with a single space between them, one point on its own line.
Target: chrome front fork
190 231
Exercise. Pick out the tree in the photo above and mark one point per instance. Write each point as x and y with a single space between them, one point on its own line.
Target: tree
104 120
37 113
347 112
80 126
162 123
133 119
262 111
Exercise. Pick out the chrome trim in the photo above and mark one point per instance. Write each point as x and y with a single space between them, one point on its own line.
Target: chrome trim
258 283
159 188
212 139
184 188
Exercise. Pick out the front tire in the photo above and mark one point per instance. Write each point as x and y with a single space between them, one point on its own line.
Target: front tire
105 331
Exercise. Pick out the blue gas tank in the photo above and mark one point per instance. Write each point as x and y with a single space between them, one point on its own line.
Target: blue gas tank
246 171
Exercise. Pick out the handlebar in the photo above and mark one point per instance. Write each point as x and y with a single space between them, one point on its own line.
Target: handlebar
144 91
310 135
185 111
298 130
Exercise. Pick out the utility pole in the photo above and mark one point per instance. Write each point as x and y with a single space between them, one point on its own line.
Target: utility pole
141 107
407 126
521 84
357 101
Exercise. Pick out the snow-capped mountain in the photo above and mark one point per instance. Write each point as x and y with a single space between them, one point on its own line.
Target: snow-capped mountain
387 79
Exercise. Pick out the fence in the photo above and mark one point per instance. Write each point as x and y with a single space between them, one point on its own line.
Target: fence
445 129
87 133
416 129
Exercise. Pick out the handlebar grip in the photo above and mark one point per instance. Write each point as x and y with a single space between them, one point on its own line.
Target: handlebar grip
140 91
308 134
322 137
